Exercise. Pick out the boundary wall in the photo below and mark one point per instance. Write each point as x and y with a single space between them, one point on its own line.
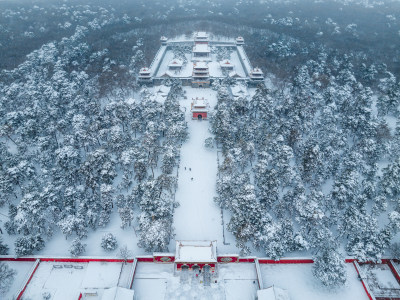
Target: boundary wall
163 258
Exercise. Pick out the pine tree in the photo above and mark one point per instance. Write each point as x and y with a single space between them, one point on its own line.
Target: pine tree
109 242
77 247
329 267
7 276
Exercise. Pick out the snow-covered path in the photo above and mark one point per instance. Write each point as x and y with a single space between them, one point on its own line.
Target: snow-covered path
197 218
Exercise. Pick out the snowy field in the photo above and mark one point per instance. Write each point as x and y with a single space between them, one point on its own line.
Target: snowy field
232 282
22 269
298 280
198 217
64 281
381 280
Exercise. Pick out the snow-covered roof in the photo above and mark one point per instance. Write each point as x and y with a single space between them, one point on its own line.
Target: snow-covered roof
234 74
175 63
239 39
144 71
200 65
196 251
118 293
226 64
201 48
273 293
201 34
257 71
199 104
163 38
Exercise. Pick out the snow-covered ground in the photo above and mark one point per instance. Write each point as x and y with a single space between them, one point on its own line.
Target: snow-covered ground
22 269
298 280
232 282
65 281
381 280
197 217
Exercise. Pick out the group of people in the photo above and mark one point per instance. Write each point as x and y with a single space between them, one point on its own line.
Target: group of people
190 169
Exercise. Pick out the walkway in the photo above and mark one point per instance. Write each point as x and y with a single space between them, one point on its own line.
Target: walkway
197 217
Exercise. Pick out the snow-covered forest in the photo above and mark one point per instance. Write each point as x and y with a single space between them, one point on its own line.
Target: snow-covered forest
310 161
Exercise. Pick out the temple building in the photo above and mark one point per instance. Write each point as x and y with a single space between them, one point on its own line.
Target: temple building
206 67
201 38
144 75
163 40
196 255
175 64
226 65
199 109
239 41
256 75
201 51
200 75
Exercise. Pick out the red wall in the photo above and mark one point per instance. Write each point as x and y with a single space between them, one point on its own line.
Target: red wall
228 259
164 259
286 261
201 266
196 115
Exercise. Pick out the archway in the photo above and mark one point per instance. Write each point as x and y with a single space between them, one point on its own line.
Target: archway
207 275
185 268
200 117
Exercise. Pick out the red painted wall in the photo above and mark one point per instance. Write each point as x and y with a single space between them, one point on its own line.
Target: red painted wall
29 280
228 259
397 276
203 115
201 266
286 261
246 259
145 259
164 259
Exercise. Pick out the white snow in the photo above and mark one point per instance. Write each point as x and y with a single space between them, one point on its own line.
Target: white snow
381 280
245 60
66 281
22 269
201 48
101 275
117 293
196 251
157 281
272 293
299 281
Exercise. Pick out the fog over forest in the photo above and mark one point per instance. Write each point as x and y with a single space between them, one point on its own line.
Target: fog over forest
308 159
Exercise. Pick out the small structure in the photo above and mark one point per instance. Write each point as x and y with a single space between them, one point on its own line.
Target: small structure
273 293
199 109
145 75
239 41
239 91
234 74
118 293
201 37
201 51
256 75
192 255
175 64
200 75
226 65
163 40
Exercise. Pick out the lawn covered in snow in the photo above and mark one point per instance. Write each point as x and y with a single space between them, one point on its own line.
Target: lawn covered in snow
22 269
298 280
